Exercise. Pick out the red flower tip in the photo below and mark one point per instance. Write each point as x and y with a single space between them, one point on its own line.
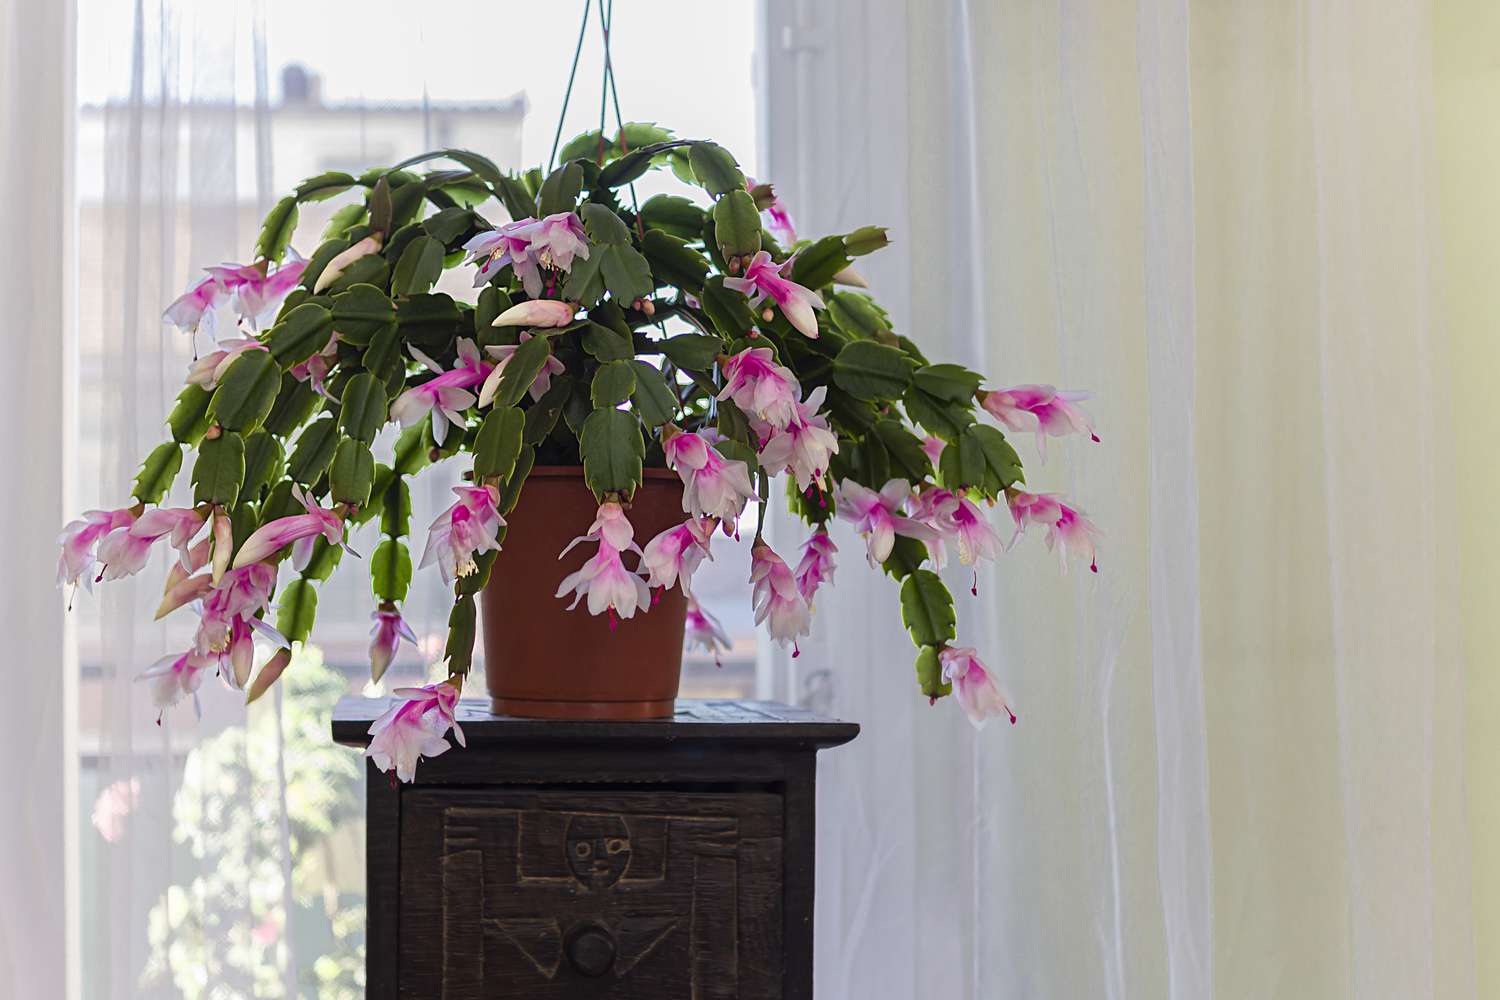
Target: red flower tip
614 622
931 700
1012 716
1094 438
795 651
1094 565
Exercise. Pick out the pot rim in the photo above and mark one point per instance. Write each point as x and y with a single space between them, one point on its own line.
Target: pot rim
576 472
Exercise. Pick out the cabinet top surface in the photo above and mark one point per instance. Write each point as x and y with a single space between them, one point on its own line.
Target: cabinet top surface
733 721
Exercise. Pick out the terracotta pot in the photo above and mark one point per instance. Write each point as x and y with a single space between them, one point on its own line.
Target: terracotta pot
544 661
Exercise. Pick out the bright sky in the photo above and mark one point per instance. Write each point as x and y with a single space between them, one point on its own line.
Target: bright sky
687 64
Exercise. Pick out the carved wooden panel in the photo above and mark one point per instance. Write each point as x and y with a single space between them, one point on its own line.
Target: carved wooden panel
627 895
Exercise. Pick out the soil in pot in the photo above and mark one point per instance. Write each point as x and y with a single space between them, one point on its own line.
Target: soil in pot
544 661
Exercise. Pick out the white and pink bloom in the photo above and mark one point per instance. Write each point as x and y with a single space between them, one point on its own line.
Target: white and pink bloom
1039 408
415 729
297 530
763 280
255 289
1069 532
877 516
761 387
778 219
208 369
175 677
778 600
260 290
510 244
604 580
817 565
385 637
447 395
973 686
502 353
713 486
335 268
954 517
933 447
242 593
125 550
703 631
557 239
315 369
80 541
182 586
804 446
464 531
538 313
675 553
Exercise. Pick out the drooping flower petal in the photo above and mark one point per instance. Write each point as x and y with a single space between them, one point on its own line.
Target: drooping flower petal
703 631
1039 408
1069 532
385 637
80 541
761 387
804 446
877 516
463 532
272 537
763 279
777 598
414 729
675 553
817 566
603 579
973 686
713 486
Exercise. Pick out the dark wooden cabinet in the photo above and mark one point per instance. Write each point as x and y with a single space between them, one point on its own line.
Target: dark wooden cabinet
620 860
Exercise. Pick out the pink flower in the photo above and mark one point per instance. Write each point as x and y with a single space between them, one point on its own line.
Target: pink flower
778 219
208 369
817 566
557 239
447 395
510 244
255 289
876 516
299 530
933 448
604 580
125 550
113 806
187 311
761 387
713 486
415 729
763 280
80 539
316 367
703 631
677 552
1039 408
975 689
804 446
260 292
335 268
174 677
464 531
242 593
778 600
955 518
386 636
537 312
1068 531
502 354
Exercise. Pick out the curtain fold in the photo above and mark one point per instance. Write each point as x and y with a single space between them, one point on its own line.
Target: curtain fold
1240 767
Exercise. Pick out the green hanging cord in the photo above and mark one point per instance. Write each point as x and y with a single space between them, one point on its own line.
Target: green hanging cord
572 72
606 19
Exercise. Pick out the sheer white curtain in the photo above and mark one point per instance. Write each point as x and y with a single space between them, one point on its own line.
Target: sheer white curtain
1241 763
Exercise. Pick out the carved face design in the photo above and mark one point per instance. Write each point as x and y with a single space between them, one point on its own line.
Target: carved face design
598 849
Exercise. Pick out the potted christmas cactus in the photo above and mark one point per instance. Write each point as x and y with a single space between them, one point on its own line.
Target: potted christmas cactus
628 381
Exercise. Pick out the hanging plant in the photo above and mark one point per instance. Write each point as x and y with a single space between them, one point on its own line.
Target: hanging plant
782 367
